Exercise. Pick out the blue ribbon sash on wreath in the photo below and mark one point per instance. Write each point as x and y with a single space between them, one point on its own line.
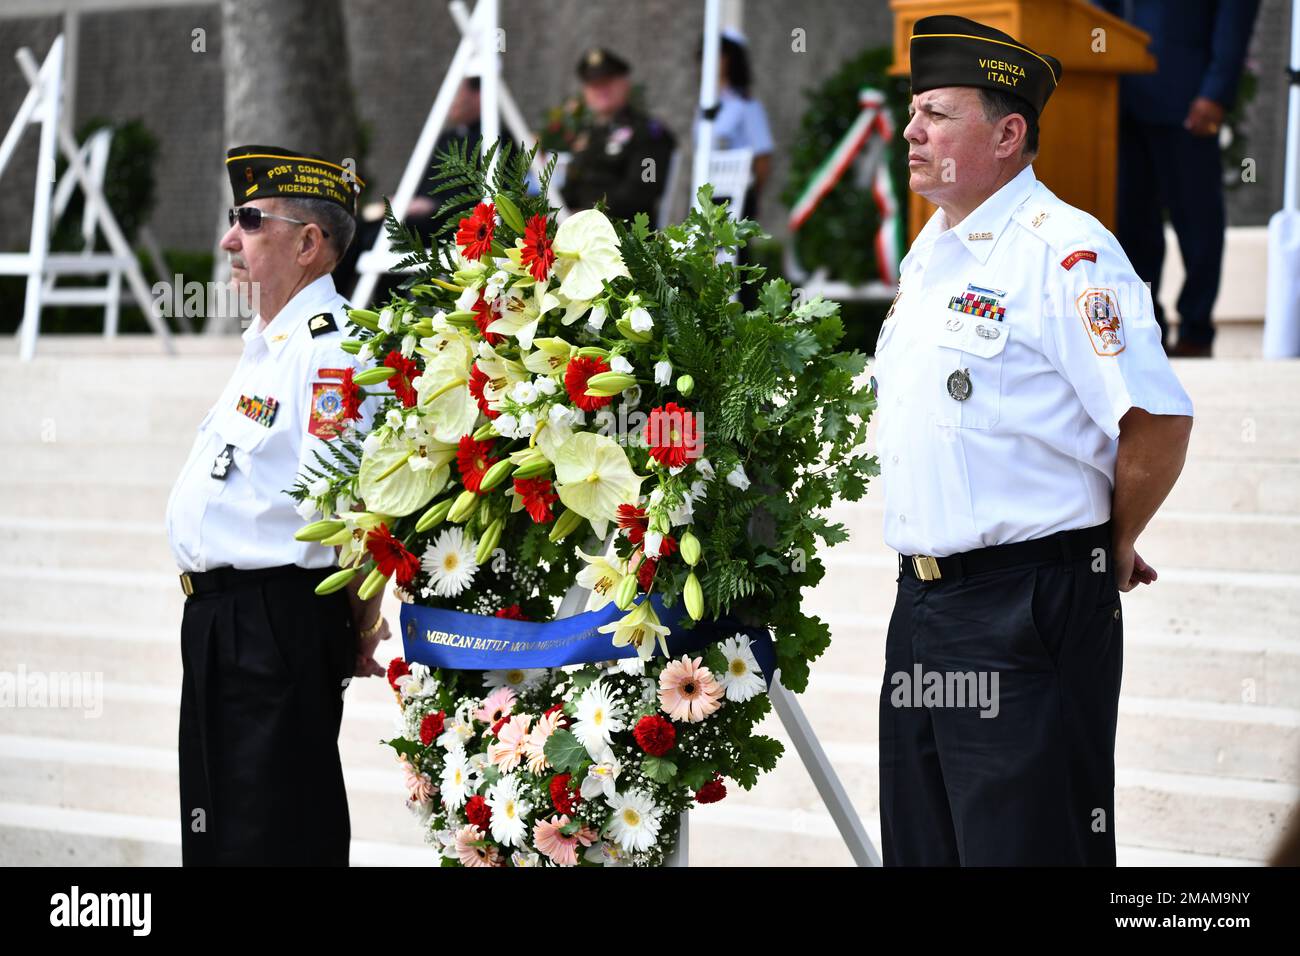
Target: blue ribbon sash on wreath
455 640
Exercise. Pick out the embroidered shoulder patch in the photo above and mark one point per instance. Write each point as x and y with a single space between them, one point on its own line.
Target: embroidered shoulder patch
322 324
1099 309
330 373
326 419
1076 256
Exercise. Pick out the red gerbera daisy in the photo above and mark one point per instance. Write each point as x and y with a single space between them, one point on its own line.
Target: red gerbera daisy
563 796
580 369
633 519
537 497
511 613
478 380
391 556
670 435
473 461
404 370
351 396
537 255
397 668
478 812
431 727
475 233
485 315
655 735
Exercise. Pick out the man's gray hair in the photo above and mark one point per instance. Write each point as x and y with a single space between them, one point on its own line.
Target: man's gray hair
330 216
998 104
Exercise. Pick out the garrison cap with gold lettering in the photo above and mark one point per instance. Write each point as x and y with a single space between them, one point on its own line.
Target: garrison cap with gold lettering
955 51
599 63
263 172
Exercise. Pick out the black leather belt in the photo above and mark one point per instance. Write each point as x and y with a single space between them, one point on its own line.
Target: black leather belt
230 579
1062 547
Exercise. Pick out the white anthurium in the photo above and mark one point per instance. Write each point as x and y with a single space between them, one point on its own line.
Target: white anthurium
587 255
594 477
573 310
388 485
443 396
522 309
554 434
601 577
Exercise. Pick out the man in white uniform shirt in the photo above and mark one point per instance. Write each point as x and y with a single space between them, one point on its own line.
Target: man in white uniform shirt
1030 426
266 660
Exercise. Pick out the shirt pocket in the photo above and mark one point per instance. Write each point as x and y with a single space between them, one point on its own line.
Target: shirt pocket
974 350
240 431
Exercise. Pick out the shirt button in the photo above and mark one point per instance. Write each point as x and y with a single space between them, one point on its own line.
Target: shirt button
894 459
903 518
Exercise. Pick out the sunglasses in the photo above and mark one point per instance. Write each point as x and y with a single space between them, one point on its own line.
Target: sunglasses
250 219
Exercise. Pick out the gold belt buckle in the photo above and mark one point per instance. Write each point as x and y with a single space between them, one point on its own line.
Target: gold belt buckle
187 583
926 567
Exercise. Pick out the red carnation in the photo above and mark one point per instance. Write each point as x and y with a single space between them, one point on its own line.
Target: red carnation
537 255
711 792
484 315
473 461
478 812
512 613
579 370
351 396
404 371
478 380
564 797
537 497
670 435
391 556
431 727
396 668
475 233
564 718
645 571
655 734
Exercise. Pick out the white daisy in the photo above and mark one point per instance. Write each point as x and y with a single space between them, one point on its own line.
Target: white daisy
449 562
455 779
518 679
742 679
635 823
509 813
598 716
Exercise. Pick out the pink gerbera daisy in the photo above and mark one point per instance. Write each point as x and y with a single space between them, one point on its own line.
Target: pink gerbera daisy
508 749
498 704
534 747
471 855
688 690
560 849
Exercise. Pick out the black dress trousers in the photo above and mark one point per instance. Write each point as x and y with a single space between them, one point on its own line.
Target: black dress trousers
265 666
1021 777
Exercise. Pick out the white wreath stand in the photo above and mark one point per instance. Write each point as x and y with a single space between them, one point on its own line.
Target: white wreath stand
41 106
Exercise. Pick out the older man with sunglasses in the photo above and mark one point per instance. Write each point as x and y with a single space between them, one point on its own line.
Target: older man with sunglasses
265 659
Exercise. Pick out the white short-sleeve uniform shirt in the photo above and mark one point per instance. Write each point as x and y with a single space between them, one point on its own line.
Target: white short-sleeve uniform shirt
1016 343
229 506
740 124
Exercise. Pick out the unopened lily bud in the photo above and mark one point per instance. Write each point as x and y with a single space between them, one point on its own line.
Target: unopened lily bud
488 541
689 545
372 585
625 593
318 530
509 212
373 376
685 384
693 597
351 346
464 506
565 525
486 431
492 477
434 516
609 383
336 581
365 318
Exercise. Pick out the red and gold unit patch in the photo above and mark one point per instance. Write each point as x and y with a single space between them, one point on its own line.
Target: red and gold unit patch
326 410
1079 254
330 373
1099 309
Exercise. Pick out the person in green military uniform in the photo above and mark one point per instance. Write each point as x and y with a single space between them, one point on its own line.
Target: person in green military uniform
622 154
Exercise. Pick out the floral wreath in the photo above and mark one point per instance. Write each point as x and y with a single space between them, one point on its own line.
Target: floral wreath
587 406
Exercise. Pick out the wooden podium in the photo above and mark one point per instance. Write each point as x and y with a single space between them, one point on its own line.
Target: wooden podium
1079 127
